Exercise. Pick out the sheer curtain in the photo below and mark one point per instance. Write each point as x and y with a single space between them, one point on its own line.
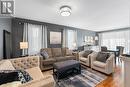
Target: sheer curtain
25 38
116 38
72 39
36 36
65 38
44 36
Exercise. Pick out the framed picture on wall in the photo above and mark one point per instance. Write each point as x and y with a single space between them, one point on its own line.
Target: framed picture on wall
55 37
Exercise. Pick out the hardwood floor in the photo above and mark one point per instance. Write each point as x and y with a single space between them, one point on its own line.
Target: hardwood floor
114 80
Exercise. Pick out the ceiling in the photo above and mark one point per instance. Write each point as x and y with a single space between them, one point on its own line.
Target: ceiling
96 15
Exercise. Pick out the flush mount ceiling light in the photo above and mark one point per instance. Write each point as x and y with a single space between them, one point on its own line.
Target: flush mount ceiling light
65 11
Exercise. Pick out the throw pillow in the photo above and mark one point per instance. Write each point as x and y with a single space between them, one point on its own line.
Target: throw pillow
86 53
44 54
24 76
6 65
69 52
102 57
7 76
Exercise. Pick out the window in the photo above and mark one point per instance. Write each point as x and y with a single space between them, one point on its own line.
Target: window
71 43
36 36
116 38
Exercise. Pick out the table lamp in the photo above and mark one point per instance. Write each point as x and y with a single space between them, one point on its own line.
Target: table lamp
23 46
96 40
74 46
96 37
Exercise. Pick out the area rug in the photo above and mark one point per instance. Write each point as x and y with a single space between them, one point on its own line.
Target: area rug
87 78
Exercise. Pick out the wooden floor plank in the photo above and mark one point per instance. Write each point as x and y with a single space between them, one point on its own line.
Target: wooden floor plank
114 80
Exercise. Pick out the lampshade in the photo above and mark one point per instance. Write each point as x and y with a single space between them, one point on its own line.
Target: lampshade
74 44
23 45
96 37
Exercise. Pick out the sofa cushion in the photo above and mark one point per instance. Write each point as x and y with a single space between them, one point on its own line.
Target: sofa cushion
49 61
70 57
12 84
6 65
44 82
44 54
60 59
49 51
86 53
99 64
64 51
83 59
35 73
57 52
102 56
69 52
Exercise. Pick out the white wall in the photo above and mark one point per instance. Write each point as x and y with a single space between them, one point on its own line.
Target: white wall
5 24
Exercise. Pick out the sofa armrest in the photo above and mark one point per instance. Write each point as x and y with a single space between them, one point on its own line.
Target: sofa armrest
110 64
81 53
111 58
93 56
76 54
41 61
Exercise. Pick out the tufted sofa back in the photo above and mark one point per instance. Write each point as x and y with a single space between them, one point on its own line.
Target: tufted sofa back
25 62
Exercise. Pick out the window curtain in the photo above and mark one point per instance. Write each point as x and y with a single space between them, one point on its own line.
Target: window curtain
36 36
44 36
72 39
116 38
25 38
65 38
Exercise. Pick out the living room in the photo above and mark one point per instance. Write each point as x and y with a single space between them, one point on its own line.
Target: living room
68 43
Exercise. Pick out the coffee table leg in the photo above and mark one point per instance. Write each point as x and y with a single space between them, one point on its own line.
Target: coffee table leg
57 75
79 69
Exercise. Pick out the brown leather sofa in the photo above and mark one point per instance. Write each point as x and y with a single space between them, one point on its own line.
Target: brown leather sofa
55 55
